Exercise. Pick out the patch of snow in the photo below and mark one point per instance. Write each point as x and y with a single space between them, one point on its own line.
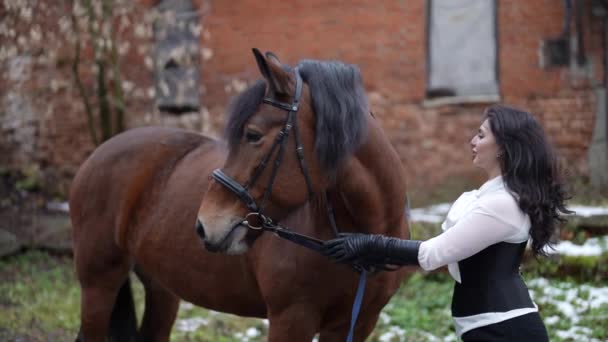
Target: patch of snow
433 214
451 338
551 320
588 211
190 324
58 206
576 333
591 247
252 332
186 306
385 318
393 332
572 301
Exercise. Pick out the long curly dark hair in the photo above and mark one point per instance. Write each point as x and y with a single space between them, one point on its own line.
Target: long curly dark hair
530 169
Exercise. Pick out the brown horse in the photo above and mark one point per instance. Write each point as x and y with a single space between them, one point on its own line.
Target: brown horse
136 200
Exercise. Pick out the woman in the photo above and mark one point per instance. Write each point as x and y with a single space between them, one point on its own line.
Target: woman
486 231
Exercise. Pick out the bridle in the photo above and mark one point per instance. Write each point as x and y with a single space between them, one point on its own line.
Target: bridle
242 191
266 223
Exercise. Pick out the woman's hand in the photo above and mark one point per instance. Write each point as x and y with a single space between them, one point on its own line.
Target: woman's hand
356 248
371 249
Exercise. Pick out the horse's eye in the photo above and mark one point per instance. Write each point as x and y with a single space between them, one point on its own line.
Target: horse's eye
253 136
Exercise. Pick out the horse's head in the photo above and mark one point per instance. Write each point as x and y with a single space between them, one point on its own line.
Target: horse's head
287 136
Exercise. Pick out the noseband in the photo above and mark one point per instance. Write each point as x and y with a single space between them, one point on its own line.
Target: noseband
242 191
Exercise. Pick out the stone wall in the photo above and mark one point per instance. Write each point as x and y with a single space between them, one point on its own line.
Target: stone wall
42 120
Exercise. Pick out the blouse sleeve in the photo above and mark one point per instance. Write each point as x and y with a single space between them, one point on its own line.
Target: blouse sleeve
493 220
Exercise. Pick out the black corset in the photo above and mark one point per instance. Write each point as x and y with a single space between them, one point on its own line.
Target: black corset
491 282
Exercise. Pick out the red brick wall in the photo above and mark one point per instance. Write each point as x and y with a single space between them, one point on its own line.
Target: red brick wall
387 39
38 37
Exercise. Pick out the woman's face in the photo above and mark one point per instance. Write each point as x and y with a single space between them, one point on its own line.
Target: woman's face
485 150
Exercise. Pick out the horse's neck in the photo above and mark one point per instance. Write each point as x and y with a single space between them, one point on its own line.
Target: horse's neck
371 188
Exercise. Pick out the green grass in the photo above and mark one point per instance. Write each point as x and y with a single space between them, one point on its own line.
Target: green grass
39 301
420 307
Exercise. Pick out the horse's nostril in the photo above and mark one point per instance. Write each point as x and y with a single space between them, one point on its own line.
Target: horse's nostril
211 247
200 230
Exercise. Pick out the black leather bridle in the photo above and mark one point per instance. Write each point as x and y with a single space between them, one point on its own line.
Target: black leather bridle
265 222
242 191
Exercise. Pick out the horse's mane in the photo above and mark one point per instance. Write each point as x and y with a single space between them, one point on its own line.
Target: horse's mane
339 103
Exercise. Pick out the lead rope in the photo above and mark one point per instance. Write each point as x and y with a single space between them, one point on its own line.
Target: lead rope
357 305
362 276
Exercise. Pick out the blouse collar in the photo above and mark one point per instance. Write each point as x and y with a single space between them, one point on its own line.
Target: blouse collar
491 185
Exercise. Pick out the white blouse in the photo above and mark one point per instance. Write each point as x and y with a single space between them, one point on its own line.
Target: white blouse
478 219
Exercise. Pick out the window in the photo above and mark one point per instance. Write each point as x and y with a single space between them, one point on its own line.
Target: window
462 51
176 57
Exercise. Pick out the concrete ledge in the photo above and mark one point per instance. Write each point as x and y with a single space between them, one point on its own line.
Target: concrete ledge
452 100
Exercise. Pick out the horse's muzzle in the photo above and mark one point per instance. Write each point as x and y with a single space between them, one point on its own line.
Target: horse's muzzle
200 230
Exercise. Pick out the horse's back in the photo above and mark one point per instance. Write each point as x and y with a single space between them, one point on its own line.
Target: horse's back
111 182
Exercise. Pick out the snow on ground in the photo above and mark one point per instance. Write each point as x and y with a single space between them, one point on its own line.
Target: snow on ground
592 247
587 211
393 333
573 301
432 214
190 324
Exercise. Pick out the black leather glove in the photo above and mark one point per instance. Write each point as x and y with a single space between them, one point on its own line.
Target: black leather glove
370 249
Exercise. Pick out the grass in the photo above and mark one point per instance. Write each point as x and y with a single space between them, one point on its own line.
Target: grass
39 301
419 310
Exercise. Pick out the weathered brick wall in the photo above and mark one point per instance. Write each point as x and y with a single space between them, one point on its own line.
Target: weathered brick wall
43 124
387 39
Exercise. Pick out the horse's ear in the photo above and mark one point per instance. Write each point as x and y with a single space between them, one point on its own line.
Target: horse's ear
273 57
272 70
262 65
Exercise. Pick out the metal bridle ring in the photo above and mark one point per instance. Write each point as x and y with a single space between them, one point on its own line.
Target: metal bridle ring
260 217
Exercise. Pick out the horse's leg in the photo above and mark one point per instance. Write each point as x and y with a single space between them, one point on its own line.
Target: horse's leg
99 289
295 323
160 310
101 269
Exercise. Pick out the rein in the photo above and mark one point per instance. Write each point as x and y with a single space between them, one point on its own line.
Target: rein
266 223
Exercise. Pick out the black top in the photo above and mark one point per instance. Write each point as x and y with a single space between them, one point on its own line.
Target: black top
491 282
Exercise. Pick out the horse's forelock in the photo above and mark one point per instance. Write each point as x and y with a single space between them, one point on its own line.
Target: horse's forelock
340 104
241 109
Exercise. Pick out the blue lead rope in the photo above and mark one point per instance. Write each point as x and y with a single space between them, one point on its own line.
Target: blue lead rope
356 305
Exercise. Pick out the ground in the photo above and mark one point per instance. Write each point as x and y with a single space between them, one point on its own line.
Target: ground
39 297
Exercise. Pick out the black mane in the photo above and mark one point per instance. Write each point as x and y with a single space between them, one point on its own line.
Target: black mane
339 103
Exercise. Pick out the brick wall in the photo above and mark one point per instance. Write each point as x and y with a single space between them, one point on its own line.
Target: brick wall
387 39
